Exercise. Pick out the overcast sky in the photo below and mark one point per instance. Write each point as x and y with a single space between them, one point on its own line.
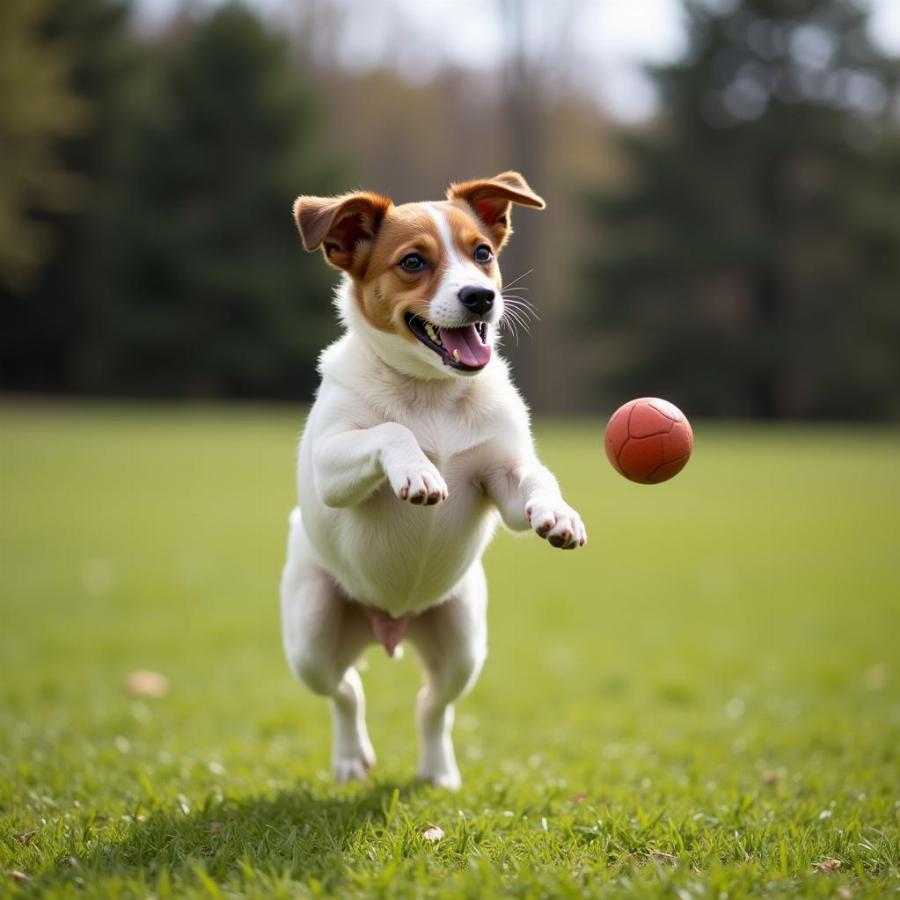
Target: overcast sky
609 39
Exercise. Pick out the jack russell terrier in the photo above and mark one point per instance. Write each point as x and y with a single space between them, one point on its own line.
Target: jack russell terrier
417 443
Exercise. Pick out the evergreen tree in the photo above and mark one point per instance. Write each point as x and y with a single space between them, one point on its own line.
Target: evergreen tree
37 110
180 270
749 265
48 325
211 292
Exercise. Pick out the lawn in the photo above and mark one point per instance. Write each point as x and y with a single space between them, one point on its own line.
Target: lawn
704 702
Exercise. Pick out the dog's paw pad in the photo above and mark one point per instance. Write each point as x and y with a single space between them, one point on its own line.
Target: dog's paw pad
558 523
422 487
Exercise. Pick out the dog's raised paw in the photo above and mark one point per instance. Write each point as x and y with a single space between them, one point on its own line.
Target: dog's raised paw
421 485
557 523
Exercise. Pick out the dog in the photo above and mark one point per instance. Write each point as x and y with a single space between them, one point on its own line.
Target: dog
417 444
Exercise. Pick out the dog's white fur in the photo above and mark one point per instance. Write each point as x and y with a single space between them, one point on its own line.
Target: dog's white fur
391 425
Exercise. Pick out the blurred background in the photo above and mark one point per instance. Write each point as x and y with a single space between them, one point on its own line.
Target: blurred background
716 670
722 177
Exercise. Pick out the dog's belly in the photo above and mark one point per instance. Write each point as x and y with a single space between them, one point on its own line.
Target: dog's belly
395 556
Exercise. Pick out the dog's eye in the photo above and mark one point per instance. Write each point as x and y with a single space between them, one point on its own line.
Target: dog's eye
483 253
412 262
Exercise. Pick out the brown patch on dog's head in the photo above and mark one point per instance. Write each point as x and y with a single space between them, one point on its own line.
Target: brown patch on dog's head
467 230
490 198
388 292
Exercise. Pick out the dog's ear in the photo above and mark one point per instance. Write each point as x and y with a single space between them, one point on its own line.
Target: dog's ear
490 198
344 227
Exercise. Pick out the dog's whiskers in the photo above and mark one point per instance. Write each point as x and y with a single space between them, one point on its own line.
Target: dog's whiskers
519 322
515 295
519 303
523 275
519 310
515 316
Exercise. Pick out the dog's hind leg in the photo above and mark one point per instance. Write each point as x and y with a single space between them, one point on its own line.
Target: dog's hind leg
451 640
323 634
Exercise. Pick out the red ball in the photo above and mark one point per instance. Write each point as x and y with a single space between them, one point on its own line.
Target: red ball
649 440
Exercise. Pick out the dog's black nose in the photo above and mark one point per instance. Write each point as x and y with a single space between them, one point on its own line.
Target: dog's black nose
478 299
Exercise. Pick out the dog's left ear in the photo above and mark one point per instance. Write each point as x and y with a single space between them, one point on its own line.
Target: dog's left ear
491 199
344 226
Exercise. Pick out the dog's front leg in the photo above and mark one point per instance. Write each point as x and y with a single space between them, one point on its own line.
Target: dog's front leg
528 496
349 465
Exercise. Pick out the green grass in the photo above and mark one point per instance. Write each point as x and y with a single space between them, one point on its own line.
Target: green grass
702 703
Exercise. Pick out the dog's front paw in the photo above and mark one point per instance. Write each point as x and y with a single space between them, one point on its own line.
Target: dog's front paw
418 482
557 522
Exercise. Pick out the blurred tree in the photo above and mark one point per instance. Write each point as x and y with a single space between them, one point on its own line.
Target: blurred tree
536 36
181 271
48 327
37 109
749 264
211 291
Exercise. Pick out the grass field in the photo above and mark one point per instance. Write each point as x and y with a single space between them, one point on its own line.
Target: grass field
702 703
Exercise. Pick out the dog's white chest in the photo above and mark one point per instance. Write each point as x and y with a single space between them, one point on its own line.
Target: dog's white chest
382 550
399 557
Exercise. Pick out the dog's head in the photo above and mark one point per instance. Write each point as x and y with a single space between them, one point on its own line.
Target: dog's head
424 276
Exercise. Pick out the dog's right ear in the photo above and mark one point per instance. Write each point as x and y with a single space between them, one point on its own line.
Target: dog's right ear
344 227
490 198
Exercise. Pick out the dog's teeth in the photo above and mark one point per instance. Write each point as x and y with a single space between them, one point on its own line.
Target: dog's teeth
455 355
431 331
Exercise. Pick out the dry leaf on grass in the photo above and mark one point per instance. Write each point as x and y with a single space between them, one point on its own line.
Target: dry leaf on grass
18 875
664 859
770 776
144 683
433 833
25 837
828 865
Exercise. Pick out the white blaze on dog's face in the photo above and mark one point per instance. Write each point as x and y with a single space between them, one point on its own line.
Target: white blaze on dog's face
424 276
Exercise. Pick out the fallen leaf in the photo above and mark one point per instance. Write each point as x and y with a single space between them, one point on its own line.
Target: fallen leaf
18 875
828 865
433 833
770 776
25 837
143 683
665 859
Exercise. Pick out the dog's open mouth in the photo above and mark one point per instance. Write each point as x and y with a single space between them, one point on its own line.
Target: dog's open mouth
463 348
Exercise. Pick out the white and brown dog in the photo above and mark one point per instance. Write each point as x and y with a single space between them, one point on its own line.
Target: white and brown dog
416 444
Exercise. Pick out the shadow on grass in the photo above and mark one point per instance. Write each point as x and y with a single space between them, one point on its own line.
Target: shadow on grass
299 834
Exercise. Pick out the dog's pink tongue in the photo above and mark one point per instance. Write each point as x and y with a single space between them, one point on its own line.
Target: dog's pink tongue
467 344
388 631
